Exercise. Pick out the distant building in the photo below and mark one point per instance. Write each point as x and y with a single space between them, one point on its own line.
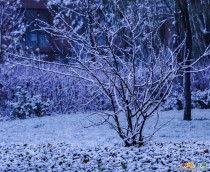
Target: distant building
36 39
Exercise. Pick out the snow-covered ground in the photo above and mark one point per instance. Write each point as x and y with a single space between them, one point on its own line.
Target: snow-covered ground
69 129
61 143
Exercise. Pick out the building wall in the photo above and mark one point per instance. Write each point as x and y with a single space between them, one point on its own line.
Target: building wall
57 47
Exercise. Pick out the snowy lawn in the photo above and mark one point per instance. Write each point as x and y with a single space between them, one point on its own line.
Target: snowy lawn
60 143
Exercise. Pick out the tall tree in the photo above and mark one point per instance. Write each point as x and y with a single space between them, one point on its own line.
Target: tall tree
183 30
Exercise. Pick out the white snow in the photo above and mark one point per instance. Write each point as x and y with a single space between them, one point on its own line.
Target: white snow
61 143
179 130
69 129
56 129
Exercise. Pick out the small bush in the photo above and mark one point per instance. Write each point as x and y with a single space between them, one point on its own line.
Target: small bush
26 106
179 104
200 99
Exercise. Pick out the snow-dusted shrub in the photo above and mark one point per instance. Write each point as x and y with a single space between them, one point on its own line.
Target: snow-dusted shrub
200 100
67 94
125 68
29 106
201 80
173 103
175 100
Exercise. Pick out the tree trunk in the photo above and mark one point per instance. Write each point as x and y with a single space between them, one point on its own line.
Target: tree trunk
187 58
187 81
183 29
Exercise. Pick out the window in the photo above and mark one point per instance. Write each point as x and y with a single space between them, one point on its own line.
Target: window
35 38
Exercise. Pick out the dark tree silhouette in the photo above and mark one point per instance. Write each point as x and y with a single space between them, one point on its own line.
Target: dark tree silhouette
183 30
